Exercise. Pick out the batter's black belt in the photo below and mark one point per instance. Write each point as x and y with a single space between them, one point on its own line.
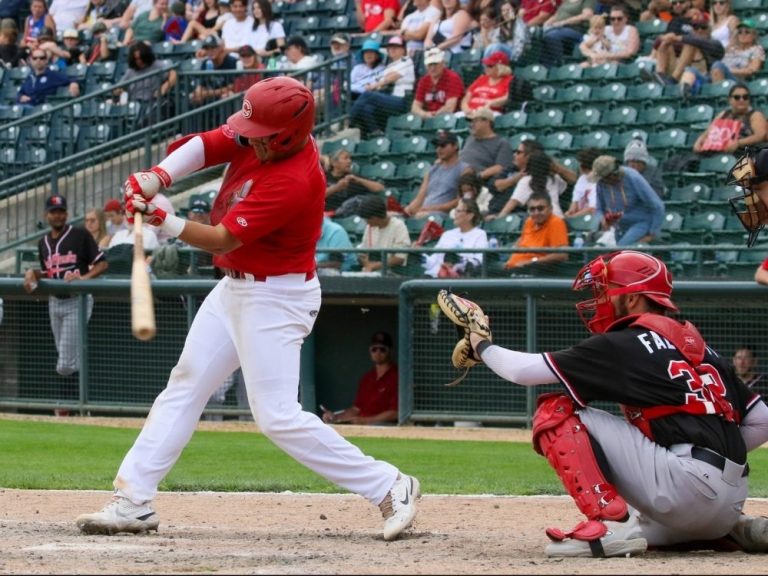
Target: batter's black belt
714 459
237 275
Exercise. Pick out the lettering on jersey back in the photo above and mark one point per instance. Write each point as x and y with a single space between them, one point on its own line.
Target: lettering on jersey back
652 342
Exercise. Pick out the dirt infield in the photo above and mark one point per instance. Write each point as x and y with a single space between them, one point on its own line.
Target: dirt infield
286 533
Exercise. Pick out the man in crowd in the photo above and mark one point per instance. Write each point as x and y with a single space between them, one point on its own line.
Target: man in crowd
486 152
542 229
43 82
440 90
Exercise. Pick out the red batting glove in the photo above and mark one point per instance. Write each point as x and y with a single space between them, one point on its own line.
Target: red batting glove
153 215
146 183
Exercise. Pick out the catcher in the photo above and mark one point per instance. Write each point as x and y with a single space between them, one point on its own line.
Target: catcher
751 173
674 469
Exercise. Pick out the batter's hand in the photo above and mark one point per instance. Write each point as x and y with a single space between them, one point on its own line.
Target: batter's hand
147 183
153 215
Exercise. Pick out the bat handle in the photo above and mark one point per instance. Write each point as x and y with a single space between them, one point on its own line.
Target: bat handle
138 233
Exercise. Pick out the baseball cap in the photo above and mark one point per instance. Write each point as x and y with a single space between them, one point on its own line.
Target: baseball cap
747 23
98 27
113 205
434 56
445 137
246 50
395 41
484 113
200 206
212 41
496 58
55 202
8 24
370 46
70 33
637 151
382 338
603 166
340 38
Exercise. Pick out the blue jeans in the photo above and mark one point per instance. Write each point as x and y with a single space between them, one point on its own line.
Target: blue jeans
631 234
371 110
557 42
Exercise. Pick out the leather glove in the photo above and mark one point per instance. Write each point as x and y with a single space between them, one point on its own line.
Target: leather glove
153 215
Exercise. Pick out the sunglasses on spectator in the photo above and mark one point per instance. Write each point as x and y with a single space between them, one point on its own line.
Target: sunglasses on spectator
740 96
617 18
744 30
540 208
700 26
382 349
39 58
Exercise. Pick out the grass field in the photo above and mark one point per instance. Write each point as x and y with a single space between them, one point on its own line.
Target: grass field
47 455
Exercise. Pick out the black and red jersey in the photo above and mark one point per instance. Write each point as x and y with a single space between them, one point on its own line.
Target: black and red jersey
74 249
637 367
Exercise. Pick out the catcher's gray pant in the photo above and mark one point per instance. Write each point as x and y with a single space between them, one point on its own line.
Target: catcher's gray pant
677 498
65 322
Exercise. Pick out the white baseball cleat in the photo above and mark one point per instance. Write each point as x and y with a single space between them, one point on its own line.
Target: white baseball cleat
120 515
751 532
622 539
399 506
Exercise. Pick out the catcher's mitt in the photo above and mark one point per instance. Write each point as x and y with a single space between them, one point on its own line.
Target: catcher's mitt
749 170
469 318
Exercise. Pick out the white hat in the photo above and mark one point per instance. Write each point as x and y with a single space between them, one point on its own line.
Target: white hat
434 56
637 151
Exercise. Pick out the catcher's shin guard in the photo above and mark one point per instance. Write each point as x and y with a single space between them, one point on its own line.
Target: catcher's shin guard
561 437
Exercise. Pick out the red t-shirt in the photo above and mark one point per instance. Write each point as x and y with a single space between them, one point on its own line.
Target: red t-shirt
765 264
274 209
482 91
535 7
373 12
449 85
375 396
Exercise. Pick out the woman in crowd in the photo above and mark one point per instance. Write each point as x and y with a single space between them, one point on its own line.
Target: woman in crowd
564 29
367 71
743 57
96 224
540 178
204 22
151 92
38 19
466 233
268 36
453 32
148 26
489 32
490 89
724 21
751 122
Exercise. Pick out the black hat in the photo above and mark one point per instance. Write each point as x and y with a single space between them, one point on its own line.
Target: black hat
200 206
382 338
445 137
55 202
373 206
297 41
212 41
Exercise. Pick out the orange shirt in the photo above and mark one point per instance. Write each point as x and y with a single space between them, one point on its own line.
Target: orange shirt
551 234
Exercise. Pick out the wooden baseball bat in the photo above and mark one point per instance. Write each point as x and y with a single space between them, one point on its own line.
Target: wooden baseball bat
142 307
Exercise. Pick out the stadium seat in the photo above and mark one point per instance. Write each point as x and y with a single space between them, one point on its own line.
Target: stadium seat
651 28
534 73
715 92
597 139
331 146
543 94
620 117
655 118
719 196
572 96
510 121
587 224
506 229
408 149
333 6
631 71
688 197
354 225
620 140
549 118
379 171
668 141
699 227
36 135
582 120
698 114
10 136
718 164
556 142
515 140
564 75
646 93
613 93
435 123
601 73
373 149
410 175
408 123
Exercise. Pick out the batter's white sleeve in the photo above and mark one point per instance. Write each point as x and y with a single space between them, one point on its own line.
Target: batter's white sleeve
754 427
518 367
186 159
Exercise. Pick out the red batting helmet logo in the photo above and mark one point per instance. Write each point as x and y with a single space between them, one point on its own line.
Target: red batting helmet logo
247 109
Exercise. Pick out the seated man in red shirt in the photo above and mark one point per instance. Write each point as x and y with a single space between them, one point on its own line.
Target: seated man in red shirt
440 90
376 400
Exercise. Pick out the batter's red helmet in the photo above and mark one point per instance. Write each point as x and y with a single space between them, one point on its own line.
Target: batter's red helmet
624 272
281 107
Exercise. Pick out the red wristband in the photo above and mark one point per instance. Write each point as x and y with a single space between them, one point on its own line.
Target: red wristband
165 178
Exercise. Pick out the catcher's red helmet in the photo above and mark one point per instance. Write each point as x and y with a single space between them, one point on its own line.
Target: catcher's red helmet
280 107
623 272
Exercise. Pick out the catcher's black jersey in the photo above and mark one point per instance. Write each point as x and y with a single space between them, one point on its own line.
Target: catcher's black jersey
637 367
74 249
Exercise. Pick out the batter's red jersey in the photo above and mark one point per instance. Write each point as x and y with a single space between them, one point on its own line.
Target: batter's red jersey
374 396
637 367
275 209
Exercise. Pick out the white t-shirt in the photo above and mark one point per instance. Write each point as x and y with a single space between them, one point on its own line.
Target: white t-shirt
66 12
407 72
414 21
260 36
555 186
585 193
236 34
393 235
127 237
455 238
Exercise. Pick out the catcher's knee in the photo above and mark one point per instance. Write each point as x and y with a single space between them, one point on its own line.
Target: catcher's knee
561 437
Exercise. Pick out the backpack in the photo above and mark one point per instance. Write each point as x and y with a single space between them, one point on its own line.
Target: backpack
165 261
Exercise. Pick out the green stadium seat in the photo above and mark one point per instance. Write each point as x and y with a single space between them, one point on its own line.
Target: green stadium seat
408 148
573 95
410 175
668 141
378 171
583 119
545 119
613 92
415 225
597 139
557 141
373 149
718 164
620 117
534 73
510 121
656 118
699 228
506 229
584 223
542 94
746 7
715 92
515 140
688 197
719 196
331 146
651 28
435 123
566 74
601 73
409 123
646 93
698 114
620 140
631 71
761 22
758 88
354 225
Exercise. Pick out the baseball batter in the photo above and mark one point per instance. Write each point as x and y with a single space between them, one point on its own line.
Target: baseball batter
265 223
675 468
66 253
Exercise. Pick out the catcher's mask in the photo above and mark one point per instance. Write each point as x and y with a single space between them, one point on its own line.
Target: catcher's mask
623 272
749 170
